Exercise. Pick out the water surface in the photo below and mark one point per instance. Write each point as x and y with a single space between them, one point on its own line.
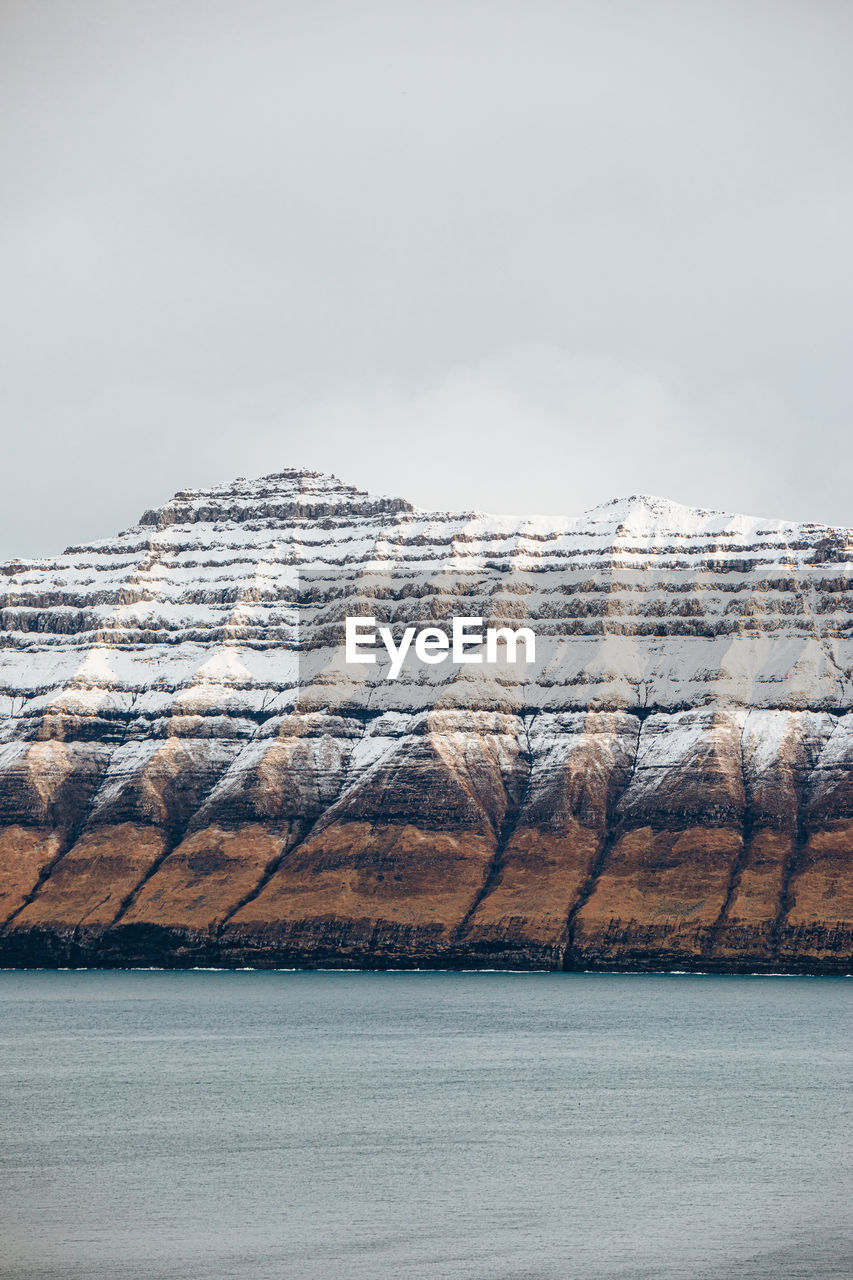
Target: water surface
365 1126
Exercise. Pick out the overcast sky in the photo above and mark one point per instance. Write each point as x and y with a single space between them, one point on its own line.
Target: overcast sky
516 256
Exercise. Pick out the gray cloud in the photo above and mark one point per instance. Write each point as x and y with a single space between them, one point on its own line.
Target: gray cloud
497 255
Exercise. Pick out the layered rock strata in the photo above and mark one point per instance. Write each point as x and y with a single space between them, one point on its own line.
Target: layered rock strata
190 773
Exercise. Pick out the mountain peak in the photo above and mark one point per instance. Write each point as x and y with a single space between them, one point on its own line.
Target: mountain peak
291 493
648 504
646 515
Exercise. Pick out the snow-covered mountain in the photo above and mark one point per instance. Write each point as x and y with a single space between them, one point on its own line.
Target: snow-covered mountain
229 601
189 769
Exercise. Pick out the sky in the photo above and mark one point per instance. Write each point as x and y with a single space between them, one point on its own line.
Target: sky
515 257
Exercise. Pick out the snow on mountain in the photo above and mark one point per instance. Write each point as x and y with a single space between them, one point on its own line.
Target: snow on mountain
191 773
232 599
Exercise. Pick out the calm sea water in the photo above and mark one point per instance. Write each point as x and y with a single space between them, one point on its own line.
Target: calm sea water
330 1126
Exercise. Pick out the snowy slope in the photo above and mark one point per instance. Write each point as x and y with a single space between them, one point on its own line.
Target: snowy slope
230 601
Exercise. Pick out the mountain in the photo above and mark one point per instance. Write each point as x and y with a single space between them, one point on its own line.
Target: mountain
191 772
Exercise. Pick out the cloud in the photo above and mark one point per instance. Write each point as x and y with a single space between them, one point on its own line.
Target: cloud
538 254
536 430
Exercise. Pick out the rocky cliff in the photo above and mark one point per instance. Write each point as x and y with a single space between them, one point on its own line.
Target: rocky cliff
190 773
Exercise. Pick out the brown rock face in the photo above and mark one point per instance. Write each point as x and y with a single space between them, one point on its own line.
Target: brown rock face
818 920
190 773
398 863
677 841
709 839
26 854
579 764
261 806
90 884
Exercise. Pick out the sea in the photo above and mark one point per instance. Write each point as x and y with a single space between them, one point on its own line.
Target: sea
424 1126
